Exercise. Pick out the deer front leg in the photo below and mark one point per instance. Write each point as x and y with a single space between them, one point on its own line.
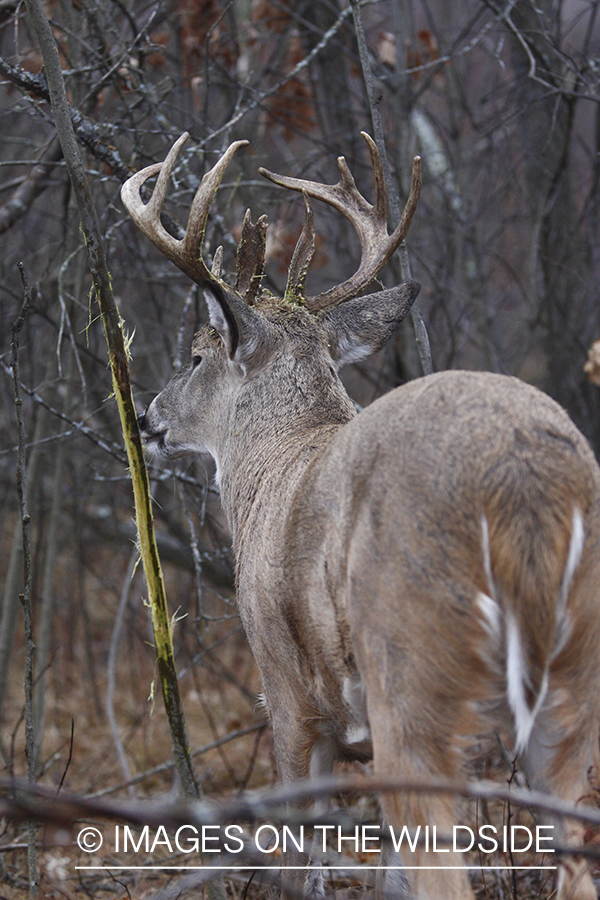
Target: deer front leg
301 753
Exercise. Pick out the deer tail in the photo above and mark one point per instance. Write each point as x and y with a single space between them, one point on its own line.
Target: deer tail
527 617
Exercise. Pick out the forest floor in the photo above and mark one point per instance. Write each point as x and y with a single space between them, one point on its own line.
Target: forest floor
220 691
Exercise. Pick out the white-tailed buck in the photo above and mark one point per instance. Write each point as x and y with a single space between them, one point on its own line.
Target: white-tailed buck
412 577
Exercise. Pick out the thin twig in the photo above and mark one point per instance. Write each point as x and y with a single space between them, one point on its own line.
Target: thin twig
169 765
195 552
111 668
85 128
26 595
113 327
421 335
69 759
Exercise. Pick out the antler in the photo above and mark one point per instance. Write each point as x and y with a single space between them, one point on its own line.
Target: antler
187 252
250 257
370 223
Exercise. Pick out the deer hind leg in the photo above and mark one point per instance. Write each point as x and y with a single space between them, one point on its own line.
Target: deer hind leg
391 881
429 874
321 763
568 782
562 754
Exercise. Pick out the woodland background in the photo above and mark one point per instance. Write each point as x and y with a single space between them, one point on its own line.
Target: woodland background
501 100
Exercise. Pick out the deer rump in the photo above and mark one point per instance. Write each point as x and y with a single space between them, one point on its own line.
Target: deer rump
431 585
432 582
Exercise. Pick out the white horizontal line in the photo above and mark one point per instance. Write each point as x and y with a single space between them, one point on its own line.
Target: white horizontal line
278 868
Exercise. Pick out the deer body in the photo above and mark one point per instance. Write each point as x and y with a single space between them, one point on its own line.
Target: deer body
410 578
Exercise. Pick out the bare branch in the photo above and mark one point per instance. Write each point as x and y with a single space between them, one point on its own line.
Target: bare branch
26 596
85 129
122 386
35 801
421 335
33 185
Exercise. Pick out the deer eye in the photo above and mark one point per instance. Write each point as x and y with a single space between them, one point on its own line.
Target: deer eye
196 360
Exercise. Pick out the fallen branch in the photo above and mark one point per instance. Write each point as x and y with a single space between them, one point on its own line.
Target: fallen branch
20 802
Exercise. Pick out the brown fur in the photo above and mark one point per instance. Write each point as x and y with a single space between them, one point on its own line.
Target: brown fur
359 549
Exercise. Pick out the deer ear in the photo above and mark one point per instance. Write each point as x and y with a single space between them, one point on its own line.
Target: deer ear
241 329
362 326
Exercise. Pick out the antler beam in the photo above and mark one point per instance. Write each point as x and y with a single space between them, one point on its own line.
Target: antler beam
187 252
369 222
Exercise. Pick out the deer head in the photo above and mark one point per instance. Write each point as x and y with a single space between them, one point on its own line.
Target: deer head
249 328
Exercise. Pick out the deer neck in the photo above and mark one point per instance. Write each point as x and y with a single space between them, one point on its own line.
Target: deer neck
263 463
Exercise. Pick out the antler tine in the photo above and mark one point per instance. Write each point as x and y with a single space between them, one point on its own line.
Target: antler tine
250 258
187 252
302 256
369 222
